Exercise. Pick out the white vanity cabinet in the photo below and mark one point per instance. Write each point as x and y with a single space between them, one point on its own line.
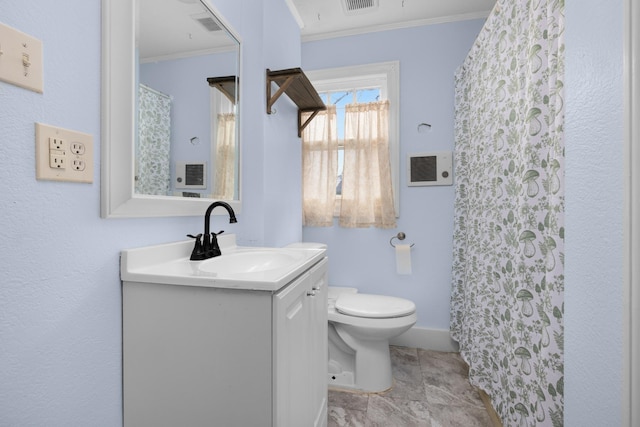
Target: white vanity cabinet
300 335
213 356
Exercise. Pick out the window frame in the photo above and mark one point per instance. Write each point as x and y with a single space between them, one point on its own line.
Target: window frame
383 74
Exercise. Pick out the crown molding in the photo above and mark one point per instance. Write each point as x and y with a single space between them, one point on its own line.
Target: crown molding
394 26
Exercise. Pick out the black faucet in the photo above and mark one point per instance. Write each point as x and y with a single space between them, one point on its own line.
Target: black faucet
209 248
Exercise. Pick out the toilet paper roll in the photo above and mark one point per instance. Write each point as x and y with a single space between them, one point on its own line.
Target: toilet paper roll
403 259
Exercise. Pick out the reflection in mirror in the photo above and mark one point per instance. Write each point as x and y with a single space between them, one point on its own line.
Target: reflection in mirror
170 141
186 140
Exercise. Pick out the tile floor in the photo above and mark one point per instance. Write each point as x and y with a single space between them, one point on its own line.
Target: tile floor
430 389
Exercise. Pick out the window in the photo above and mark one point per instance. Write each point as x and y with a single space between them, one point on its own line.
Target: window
224 151
340 98
363 84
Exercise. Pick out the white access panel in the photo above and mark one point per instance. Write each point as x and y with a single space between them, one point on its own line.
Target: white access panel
426 169
191 175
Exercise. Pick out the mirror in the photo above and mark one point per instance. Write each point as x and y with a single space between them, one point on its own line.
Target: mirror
170 140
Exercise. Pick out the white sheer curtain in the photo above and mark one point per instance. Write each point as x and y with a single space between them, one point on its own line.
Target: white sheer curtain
319 169
225 157
367 193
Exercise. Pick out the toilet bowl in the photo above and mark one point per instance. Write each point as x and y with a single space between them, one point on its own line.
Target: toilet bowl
360 326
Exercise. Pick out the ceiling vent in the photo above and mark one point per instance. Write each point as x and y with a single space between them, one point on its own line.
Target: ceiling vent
354 7
207 21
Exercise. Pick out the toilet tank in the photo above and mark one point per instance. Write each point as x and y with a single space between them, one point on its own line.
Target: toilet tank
335 291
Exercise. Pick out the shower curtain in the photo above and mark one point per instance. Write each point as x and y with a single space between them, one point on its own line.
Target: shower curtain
508 284
152 172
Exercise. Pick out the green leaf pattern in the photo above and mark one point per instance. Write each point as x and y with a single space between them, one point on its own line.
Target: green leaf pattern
507 304
153 145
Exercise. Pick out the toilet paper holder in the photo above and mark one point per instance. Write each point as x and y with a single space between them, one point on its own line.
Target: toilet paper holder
399 236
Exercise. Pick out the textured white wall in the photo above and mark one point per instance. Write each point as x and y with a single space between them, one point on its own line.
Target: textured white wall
594 212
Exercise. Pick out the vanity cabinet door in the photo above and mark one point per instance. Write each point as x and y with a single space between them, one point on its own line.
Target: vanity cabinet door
196 356
319 350
300 355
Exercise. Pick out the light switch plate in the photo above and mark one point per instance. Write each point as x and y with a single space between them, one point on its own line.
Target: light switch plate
63 154
20 59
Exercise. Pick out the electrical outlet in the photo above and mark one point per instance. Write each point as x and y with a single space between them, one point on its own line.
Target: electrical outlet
57 144
57 160
78 165
20 59
63 154
77 148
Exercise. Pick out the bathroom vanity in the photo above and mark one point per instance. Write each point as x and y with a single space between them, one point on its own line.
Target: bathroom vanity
238 340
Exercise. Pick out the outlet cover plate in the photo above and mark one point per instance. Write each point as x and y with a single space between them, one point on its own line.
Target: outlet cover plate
56 161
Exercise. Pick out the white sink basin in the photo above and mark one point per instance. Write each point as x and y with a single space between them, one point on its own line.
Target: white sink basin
243 261
239 267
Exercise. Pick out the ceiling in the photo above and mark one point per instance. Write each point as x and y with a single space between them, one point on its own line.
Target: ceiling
169 28
320 19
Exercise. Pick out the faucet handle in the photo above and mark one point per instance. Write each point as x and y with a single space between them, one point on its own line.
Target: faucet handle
198 251
214 250
197 237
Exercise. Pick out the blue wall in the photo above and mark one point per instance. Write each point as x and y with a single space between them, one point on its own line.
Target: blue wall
363 258
60 336
60 300
594 214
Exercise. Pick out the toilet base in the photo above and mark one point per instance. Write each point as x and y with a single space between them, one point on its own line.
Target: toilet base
359 357
372 369
341 380
344 382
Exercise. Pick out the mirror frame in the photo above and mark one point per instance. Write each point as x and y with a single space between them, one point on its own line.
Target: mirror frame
117 196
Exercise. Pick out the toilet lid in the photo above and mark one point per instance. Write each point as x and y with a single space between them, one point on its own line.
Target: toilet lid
374 306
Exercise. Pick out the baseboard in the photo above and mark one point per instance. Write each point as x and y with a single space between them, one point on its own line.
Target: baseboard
427 339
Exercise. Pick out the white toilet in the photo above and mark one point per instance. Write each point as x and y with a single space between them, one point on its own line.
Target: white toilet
360 326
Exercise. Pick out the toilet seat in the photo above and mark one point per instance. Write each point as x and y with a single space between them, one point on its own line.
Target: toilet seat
373 306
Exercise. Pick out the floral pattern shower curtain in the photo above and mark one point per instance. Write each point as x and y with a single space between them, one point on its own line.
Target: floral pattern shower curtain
508 272
154 142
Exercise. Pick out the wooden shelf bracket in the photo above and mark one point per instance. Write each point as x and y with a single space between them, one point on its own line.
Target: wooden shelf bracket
227 85
295 84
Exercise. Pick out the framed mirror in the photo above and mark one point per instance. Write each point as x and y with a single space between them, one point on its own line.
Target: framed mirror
170 109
